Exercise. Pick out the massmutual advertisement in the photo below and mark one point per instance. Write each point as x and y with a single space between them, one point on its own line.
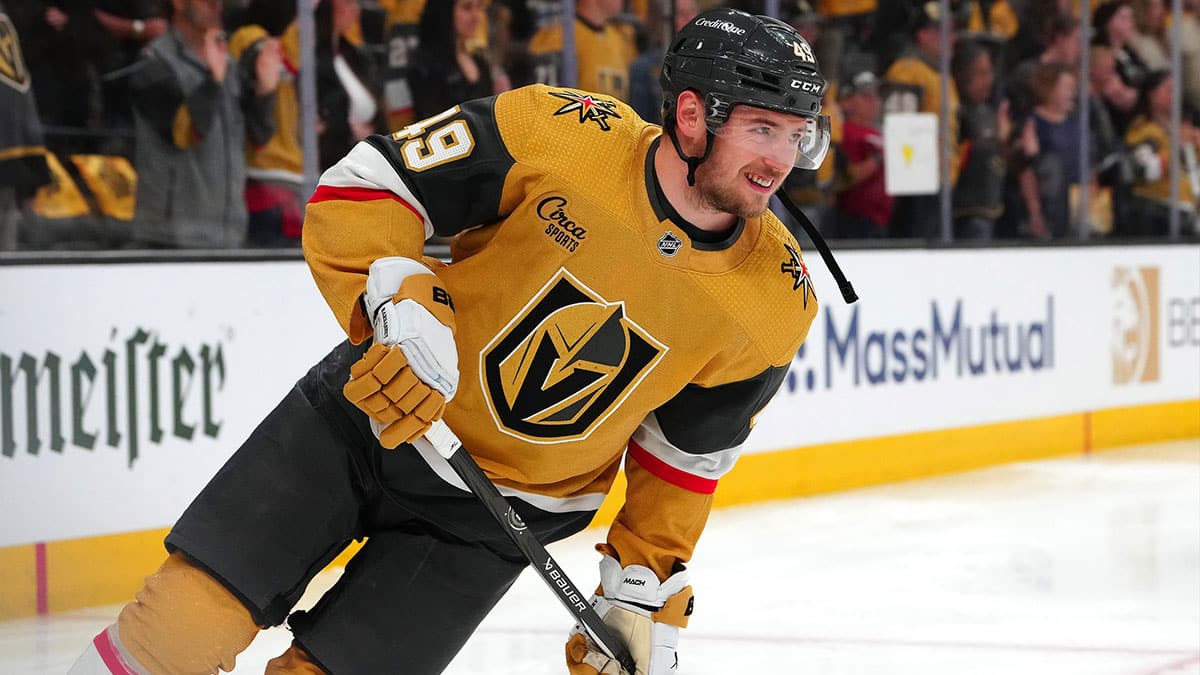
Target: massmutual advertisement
944 339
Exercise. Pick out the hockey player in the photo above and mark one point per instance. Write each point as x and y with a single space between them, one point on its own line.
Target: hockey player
614 292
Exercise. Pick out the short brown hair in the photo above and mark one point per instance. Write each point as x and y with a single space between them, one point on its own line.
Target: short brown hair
1045 78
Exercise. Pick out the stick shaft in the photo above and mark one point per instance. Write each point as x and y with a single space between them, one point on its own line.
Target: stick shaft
447 445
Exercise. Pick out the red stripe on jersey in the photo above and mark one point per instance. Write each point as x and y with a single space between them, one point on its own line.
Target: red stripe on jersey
664 471
326 193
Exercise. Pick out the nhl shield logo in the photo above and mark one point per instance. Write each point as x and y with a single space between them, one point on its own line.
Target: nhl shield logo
565 363
669 244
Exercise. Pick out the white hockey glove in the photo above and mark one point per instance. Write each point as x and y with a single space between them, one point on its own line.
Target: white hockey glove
410 308
406 378
641 611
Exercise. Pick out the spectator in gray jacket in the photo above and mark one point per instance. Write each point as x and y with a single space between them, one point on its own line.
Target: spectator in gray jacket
193 110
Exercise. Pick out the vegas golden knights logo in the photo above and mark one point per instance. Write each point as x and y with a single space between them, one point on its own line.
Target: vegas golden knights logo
1135 341
565 363
12 65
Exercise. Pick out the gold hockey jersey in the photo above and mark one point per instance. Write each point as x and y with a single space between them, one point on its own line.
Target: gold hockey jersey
1146 134
603 55
591 326
281 157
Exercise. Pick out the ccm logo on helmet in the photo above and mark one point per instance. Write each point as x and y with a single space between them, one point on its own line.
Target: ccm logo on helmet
808 87
726 26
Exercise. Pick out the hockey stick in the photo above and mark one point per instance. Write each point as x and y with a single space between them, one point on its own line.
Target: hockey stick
447 445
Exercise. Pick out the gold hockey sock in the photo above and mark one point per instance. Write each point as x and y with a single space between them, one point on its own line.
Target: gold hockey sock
184 622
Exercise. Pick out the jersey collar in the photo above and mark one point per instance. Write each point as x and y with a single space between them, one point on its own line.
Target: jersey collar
702 240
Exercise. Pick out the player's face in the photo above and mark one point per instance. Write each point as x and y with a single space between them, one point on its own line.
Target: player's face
750 158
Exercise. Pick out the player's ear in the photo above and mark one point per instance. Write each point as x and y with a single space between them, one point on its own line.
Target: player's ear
689 115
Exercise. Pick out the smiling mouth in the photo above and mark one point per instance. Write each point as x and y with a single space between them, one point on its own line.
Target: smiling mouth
760 181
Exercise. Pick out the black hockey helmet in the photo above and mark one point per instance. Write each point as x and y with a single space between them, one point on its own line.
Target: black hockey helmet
730 58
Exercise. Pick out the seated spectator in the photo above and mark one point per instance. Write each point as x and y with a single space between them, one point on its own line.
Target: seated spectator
604 50
1150 41
846 28
1063 44
449 72
984 127
192 115
1106 94
401 41
1189 30
274 169
22 156
60 39
348 107
1114 28
1149 140
128 27
994 20
513 23
1037 16
864 206
1119 98
991 24
1053 166
645 91
914 83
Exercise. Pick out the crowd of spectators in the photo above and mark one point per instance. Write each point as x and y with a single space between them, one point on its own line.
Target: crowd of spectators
177 123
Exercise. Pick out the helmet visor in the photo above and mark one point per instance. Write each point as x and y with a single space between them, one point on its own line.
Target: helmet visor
801 142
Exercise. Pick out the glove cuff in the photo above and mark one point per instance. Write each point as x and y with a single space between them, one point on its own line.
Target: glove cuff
393 280
637 589
410 308
384 279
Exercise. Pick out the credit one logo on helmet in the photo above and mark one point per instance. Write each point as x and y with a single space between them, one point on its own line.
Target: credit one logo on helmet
569 359
1135 343
727 26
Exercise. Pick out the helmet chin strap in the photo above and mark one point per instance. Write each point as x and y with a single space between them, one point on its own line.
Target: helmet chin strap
692 162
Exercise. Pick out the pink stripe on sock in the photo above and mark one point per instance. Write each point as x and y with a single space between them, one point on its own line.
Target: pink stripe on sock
110 656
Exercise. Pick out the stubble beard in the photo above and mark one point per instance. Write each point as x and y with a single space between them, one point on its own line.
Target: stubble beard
727 196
